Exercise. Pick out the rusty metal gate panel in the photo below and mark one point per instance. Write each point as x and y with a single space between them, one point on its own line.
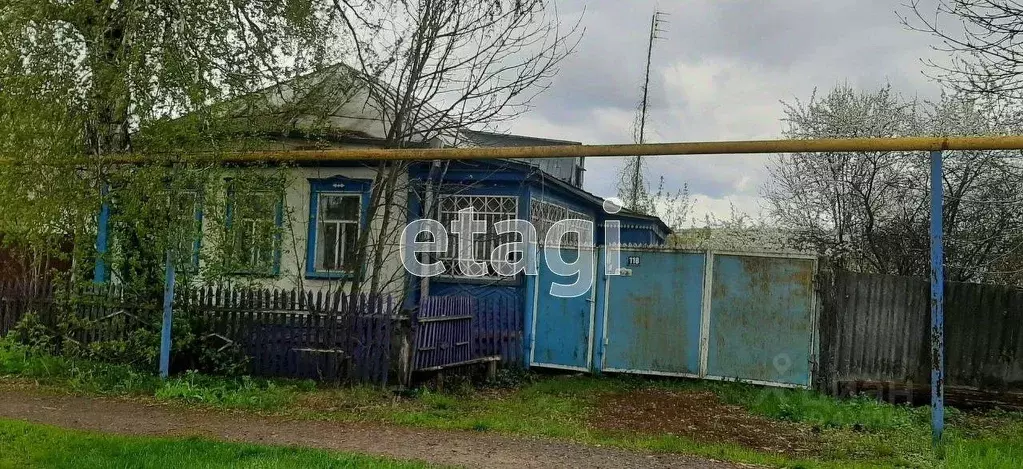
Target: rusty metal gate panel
652 317
759 319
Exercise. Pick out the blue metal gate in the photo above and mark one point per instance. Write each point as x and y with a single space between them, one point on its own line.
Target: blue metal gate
651 318
760 326
562 328
715 315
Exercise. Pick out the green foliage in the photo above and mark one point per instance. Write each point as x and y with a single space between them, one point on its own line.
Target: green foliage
32 332
130 344
138 350
87 376
154 209
128 336
84 79
997 448
196 348
515 377
28 445
858 432
862 412
243 392
76 374
247 241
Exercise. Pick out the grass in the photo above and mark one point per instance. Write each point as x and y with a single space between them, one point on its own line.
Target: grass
24 445
87 377
859 432
561 408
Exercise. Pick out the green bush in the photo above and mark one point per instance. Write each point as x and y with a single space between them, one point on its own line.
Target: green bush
133 342
195 348
32 332
87 376
513 378
78 375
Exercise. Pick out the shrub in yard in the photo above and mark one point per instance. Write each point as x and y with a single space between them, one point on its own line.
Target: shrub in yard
139 350
129 336
195 347
76 374
33 333
513 378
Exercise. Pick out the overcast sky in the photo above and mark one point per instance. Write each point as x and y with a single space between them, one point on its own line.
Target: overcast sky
721 73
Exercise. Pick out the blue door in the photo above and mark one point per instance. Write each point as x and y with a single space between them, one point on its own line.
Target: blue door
562 327
653 316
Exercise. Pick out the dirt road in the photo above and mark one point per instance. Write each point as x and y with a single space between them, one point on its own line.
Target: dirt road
440 447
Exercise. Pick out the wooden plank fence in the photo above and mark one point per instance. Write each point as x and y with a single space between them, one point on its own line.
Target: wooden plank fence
498 330
93 313
443 332
19 298
283 333
329 336
450 330
876 329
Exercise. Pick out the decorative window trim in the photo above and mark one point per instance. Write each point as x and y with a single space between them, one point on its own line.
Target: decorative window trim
448 210
275 268
193 265
637 226
103 271
544 213
335 185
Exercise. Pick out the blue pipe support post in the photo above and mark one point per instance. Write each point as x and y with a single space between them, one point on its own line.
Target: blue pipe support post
937 303
99 274
168 304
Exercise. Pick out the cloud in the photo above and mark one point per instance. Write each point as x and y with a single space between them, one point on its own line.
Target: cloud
721 73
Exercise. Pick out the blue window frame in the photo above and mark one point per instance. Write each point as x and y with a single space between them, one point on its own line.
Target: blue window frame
186 212
187 206
338 211
254 220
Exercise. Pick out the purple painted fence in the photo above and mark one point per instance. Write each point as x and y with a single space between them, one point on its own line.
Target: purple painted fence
443 328
283 333
290 333
456 329
498 331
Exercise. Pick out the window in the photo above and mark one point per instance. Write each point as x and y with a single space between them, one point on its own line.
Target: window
186 213
337 217
124 227
490 210
254 220
339 221
543 215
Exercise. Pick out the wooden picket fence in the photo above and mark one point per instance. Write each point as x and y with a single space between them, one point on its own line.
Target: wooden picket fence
328 336
19 298
91 313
